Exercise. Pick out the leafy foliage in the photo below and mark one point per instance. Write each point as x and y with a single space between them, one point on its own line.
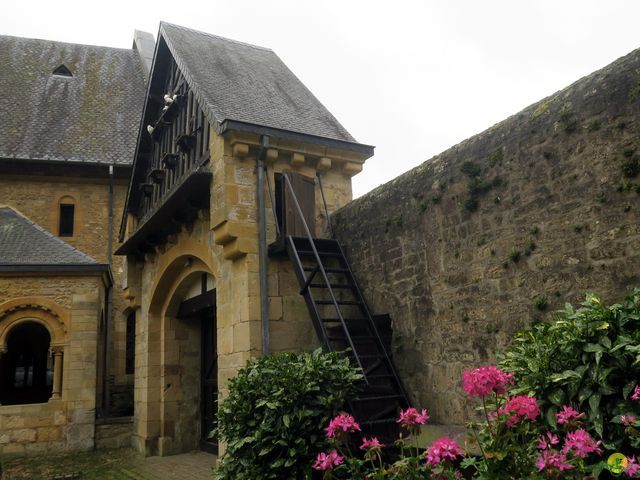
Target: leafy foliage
273 417
588 358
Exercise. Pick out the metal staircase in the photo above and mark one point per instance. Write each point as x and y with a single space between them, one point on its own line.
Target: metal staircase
343 322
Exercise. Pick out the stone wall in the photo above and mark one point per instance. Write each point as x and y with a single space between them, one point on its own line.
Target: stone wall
501 230
38 196
70 308
222 242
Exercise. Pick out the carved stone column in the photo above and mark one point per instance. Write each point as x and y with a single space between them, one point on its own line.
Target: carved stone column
57 373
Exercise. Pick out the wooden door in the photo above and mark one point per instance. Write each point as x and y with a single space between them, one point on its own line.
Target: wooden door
304 192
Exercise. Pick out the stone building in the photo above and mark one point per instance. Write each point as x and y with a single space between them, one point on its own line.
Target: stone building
66 150
217 112
170 211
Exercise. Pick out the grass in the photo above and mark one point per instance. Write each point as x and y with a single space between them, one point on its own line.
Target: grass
105 464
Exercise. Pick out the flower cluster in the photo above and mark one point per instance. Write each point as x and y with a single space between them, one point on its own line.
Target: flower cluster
518 408
580 444
484 380
636 393
328 461
439 459
568 415
633 468
410 417
552 461
628 420
342 423
371 444
442 450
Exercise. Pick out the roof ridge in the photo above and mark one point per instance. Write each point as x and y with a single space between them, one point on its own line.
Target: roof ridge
226 39
67 43
47 232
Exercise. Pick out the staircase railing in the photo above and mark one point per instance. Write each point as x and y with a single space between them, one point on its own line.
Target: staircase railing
322 271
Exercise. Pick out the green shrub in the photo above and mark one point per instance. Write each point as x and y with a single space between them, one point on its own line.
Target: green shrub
272 419
588 358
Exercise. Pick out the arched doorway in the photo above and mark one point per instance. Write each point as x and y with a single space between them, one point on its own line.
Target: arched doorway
26 371
188 363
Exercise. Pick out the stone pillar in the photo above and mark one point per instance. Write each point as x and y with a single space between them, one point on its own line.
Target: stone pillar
3 350
57 373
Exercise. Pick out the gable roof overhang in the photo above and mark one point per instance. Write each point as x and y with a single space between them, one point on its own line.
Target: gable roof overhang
300 116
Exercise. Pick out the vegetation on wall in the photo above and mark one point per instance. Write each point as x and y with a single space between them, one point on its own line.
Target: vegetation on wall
588 358
272 419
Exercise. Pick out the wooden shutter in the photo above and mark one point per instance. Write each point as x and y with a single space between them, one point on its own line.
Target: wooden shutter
304 188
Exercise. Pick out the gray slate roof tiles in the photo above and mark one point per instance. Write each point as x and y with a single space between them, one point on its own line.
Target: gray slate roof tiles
22 242
250 84
90 117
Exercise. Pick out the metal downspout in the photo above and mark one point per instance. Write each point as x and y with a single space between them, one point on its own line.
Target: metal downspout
262 243
109 320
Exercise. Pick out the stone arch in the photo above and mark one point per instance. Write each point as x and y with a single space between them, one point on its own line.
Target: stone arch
175 265
31 309
167 388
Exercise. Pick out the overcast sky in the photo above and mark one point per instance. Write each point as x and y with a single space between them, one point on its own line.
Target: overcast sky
410 77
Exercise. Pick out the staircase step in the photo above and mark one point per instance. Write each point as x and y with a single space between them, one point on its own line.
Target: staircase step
339 302
321 253
380 421
378 375
327 269
333 285
361 338
337 320
382 414
377 398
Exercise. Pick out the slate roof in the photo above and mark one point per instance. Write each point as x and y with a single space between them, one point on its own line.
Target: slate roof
90 117
246 83
22 242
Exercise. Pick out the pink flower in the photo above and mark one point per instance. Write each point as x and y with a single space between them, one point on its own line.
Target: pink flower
545 442
519 407
580 443
370 443
567 414
552 460
636 393
628 420
410 416
327 461
442 450
342 423
484 380
633 467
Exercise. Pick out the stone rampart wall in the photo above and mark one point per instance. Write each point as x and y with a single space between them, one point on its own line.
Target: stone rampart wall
501 230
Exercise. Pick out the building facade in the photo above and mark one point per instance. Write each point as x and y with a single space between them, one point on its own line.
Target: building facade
65 159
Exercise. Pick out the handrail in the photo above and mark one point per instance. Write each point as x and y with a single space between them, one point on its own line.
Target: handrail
321 267
326 210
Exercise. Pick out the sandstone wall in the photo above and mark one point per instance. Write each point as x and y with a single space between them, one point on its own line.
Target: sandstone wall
501 230
38 197
70 306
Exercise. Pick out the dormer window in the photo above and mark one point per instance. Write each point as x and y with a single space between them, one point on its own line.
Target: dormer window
62 71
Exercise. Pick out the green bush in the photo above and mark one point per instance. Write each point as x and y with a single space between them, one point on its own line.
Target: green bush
588 358
272 419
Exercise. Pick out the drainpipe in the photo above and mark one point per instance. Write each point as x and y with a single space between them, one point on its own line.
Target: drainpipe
109 320
262 244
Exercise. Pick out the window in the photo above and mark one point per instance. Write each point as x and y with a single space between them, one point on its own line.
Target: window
62 71
26 370
130 345
65 226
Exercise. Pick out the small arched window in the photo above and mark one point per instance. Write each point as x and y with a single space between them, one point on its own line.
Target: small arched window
66 216
26 373
62 71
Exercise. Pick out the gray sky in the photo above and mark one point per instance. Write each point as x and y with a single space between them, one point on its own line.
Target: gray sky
410 77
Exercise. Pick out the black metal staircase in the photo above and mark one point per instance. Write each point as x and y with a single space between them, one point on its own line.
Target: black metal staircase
343 322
